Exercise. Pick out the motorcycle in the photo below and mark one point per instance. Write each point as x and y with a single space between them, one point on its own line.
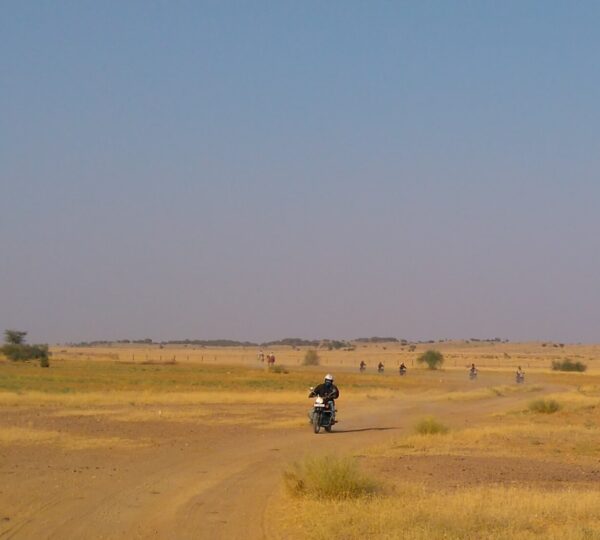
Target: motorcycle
322 414
473 374
520 377
362 368
379 369
402 371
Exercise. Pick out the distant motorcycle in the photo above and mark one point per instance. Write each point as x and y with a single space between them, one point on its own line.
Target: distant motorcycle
322 414
362 368
380 368
520 377
402 371
473 374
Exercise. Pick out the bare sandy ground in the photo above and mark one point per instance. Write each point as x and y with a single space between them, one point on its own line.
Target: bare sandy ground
198 480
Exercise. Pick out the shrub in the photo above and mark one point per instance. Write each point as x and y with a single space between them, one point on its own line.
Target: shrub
432 358
568 365
14 337
430 426
311 358
278 369
546 406
328 478
17 350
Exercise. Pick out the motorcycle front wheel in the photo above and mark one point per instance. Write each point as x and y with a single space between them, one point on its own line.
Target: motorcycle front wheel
316 422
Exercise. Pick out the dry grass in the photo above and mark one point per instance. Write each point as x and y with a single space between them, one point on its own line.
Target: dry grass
27 436
545 406
93 399
457 354
430 426
566 442
329 478
489 392
412 510
414 513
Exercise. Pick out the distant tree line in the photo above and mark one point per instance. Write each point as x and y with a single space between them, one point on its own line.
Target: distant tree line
488 340
286 342
377 339
292 342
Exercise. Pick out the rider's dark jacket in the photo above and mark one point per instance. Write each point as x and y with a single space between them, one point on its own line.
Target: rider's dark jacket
324 391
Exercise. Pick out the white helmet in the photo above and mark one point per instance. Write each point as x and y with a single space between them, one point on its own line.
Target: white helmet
329 377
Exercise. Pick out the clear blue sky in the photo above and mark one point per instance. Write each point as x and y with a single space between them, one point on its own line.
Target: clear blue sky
257 170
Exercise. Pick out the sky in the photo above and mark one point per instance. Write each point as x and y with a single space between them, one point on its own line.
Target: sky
261 170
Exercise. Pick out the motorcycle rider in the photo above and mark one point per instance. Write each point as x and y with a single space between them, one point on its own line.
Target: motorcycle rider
380 367
402 368
520 374
473 371
329 392
363 365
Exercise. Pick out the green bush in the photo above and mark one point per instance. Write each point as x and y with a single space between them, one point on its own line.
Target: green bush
25 352
430 426
545 406
433 359
328 478
311 358
568 365
17 350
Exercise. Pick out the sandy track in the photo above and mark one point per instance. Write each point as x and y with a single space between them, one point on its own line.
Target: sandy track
218 482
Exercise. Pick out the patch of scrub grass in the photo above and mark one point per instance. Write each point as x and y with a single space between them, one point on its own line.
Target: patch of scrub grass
87 376
492 391
279 369
542 436
414 513
11 436
330 478
568 365
545 406
430 426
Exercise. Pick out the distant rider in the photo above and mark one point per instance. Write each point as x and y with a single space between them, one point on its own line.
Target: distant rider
402 369
380 367
329 392
363 365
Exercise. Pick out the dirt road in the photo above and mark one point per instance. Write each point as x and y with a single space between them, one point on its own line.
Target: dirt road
190 481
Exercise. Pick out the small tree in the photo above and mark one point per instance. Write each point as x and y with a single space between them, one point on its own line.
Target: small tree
433 359
311 358
16 349
14 337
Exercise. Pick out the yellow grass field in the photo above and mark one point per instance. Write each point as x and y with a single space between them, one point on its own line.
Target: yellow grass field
458 354
121 442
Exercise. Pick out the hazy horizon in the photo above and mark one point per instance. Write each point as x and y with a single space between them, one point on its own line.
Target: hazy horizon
264 170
